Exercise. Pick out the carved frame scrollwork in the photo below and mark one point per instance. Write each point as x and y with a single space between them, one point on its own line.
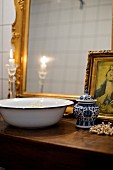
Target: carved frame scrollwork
19 42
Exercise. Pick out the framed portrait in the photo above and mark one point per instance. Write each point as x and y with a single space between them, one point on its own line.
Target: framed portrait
99 81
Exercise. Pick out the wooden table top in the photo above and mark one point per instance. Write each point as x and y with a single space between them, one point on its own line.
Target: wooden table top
63 134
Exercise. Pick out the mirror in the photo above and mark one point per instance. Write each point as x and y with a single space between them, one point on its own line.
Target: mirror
21 34
63 31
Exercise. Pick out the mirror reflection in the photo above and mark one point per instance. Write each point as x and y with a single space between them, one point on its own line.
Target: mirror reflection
61 32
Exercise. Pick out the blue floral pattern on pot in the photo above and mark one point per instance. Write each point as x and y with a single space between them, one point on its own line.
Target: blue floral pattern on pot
86 111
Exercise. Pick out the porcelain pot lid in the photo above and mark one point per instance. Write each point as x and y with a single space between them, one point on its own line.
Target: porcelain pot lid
86 98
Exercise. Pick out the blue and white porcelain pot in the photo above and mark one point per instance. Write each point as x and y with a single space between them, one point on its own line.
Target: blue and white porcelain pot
86 111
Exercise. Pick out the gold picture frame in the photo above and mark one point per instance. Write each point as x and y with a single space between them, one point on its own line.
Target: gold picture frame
99 81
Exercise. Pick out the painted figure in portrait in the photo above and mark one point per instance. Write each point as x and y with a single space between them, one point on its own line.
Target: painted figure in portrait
104 94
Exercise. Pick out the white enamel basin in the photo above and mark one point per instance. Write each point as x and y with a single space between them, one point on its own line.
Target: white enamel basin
33 112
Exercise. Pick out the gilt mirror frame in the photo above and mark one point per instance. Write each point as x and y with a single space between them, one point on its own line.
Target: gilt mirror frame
20 36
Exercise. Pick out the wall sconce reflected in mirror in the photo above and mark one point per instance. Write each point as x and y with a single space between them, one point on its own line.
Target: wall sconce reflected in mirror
42 72
81 4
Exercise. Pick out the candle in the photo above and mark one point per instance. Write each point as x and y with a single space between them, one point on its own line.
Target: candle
43 61
11 59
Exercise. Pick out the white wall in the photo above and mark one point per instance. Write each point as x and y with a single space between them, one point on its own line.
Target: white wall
7 15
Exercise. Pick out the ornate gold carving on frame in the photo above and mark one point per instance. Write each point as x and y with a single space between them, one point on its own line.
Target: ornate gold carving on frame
14 33
17 35
21 3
